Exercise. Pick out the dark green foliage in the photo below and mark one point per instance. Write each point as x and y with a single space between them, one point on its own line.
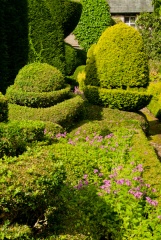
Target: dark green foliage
121 99
3 108
15 136
36 100
149 25
45 33
94 20
13 40
39 77
120 58
65 113
33 31
73 58
71 14
29 185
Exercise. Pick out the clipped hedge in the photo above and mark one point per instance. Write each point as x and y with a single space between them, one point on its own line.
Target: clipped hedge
29 185
155 104
119 59
64 113
71 14
117 98
94 20
15 136
39 77
3 108
73 58
36 99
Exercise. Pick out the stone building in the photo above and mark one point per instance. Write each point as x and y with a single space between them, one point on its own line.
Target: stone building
127 10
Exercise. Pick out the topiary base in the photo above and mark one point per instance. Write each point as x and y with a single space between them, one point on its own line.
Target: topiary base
126 100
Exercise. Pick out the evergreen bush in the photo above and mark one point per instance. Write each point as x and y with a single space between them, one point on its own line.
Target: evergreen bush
94 20
149 25
73 58
64 113
15 136
120 58
39 77
117 98
3 108
29 185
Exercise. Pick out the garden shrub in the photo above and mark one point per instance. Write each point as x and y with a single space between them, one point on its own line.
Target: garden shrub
73 58
15 232
30 185
117 98
64 113
39 77
149 25
120 59
34 31
155 104
94 20
3 108
36 99
78 70
15 136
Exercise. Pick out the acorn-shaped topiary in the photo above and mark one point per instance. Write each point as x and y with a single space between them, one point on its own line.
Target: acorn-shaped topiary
38 85
118 61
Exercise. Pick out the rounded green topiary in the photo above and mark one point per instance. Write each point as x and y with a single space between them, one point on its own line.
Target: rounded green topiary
39 77
119 59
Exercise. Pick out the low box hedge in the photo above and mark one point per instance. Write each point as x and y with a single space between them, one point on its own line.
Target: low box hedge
3 108
37 99
127 100
64 113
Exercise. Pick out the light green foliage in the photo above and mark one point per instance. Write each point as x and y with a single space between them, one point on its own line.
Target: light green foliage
149 25
37 99
15 232
29 185
120 58
155 104
38 85
117 98
64 113
94 20
3 108
39 77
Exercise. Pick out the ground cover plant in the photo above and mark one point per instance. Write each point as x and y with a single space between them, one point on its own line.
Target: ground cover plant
108 192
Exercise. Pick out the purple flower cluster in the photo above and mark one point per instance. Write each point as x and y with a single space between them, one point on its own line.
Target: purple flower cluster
151 202
82 183
138 168
61 135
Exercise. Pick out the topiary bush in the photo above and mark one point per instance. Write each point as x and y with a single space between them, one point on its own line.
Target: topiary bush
117 98
35 99
64 113
118 61
3 108
120 58
94 20
38 85
39 77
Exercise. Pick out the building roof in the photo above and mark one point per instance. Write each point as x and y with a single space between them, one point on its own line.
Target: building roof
130 6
